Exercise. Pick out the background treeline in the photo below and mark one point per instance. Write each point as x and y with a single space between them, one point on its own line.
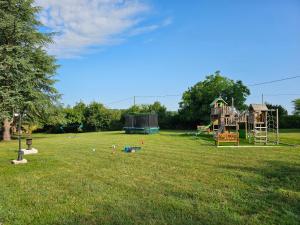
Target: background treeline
285 120
96 117
289 121
194 109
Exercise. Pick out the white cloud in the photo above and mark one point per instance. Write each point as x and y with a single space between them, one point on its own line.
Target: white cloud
83 25
150 28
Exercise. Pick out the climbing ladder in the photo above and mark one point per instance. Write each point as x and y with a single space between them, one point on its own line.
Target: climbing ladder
260 134
273 132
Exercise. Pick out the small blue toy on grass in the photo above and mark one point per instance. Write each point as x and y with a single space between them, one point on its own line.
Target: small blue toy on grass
129 149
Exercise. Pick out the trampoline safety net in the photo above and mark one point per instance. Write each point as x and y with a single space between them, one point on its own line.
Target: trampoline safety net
141 123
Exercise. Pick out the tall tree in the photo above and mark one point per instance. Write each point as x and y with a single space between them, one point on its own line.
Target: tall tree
97 117
165 118
281 110
26 70
194 107
74 117
297 106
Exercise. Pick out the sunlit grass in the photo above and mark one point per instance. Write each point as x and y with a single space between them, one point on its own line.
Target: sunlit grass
174 179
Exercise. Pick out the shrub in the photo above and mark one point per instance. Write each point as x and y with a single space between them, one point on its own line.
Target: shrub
290 121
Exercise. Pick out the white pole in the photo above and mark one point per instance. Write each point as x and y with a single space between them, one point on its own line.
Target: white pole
277 126
266 125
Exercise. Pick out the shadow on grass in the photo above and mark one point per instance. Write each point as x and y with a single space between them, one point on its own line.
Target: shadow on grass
179 134
208 138
123 133
274 190
36 136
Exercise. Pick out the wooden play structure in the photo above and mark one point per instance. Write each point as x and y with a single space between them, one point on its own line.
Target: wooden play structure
260 124
257 123
225 121
263 125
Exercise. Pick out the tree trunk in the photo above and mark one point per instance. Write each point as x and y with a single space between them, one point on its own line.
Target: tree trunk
6 130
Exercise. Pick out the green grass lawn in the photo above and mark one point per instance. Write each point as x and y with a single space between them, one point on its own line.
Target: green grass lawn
290 136
174 179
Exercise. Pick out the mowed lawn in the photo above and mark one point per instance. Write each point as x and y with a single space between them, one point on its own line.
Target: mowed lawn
174 179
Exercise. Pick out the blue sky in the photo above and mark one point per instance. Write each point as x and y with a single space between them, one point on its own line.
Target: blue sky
162 47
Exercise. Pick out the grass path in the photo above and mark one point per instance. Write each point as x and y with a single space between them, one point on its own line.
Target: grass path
175 179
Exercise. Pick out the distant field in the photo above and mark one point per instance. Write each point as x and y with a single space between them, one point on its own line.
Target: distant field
175 179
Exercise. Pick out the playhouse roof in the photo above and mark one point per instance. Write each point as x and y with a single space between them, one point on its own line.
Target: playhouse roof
216 100
258 107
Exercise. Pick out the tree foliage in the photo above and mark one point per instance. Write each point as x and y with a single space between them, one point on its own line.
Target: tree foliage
194 107
281 110
156 107
26 70
97 117
297 106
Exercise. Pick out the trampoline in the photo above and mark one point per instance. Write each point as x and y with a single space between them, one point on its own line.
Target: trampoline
146 123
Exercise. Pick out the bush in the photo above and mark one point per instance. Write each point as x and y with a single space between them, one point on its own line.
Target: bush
291 121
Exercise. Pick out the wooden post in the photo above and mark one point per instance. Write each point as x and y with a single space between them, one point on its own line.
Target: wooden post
246 132
6 130
254 130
